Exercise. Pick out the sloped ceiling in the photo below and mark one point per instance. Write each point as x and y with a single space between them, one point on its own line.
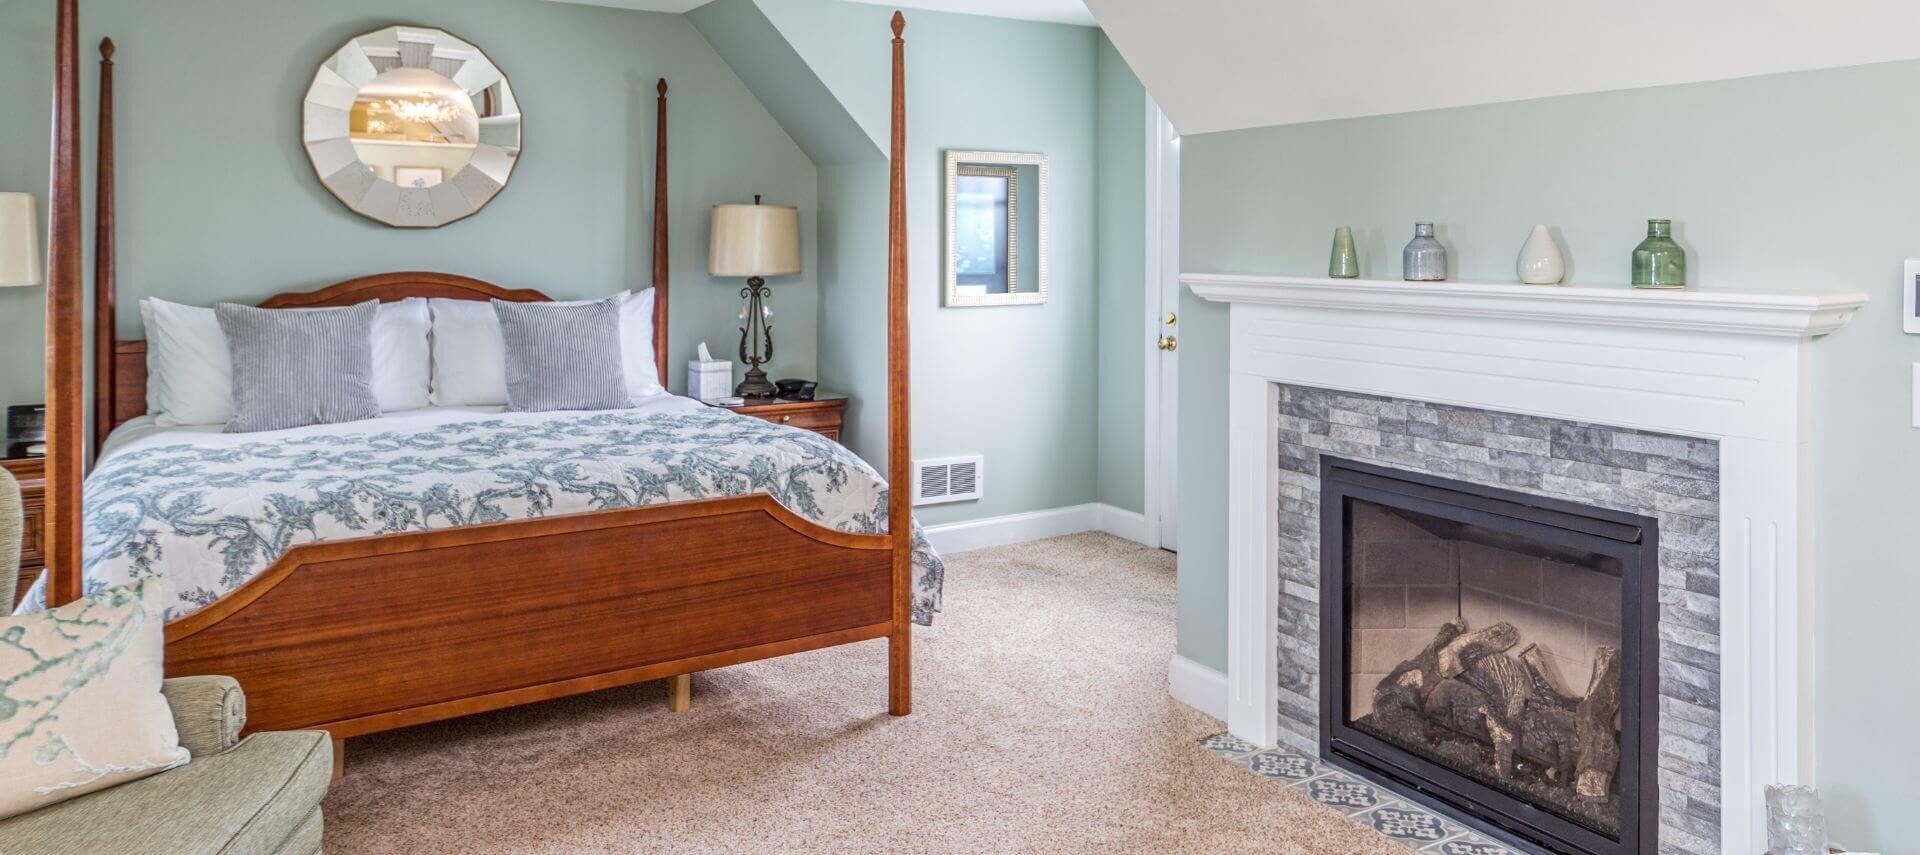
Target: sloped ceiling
1216 65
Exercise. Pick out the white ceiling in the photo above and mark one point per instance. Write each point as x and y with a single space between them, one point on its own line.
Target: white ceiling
1057 11
1218 65
675 6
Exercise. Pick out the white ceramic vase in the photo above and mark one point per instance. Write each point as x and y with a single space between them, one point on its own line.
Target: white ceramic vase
1540 259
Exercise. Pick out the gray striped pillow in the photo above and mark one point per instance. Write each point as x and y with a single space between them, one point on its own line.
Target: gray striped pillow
295 367
563 357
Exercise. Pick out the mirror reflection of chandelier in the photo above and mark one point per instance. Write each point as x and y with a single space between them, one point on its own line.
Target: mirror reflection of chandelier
425 110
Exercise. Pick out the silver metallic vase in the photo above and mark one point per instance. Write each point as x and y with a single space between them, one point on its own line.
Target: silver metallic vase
1424 259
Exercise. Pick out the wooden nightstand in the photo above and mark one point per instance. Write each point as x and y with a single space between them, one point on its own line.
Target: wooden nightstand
31 472
822 415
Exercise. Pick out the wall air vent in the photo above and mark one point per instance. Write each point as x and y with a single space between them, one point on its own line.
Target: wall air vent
948 479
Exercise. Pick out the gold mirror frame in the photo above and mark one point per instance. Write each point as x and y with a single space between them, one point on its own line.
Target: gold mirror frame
997 163
327 128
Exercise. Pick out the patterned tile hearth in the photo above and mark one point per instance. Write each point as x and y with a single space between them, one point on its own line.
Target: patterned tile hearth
1413 826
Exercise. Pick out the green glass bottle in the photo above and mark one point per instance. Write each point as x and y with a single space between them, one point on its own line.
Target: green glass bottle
1345 263
1658 262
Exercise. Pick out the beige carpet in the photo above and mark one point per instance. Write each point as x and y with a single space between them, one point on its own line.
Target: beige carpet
1042 724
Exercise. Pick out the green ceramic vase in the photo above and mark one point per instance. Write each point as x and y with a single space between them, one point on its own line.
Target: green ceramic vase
1345 263
1658 262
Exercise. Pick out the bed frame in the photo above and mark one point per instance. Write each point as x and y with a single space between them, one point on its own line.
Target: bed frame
363 635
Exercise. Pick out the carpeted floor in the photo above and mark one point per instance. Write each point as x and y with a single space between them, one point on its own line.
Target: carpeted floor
1041 724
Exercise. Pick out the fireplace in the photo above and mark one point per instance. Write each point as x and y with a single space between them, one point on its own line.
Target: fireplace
1492 651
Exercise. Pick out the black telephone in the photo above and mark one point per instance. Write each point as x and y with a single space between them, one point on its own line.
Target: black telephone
795 389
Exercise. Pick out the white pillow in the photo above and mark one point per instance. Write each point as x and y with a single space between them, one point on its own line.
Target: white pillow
402 364
636 346
83 709
190 373
470 357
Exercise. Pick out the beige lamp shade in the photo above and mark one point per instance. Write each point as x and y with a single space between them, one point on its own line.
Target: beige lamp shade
19 240
754 240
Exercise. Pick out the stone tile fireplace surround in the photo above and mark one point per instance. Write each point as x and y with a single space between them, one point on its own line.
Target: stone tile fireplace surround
1690 407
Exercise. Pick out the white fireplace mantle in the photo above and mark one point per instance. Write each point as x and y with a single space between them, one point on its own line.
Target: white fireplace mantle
1732 367
1702 311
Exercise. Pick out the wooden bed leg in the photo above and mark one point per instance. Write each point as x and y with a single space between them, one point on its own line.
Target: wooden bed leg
339 759
680 693
900 672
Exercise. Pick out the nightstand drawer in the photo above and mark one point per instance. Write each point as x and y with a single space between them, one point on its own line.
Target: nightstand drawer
808 419
33 553
32 475
822 416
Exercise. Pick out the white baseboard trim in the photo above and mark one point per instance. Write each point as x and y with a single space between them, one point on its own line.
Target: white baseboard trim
1123 524
1198 686
1037 525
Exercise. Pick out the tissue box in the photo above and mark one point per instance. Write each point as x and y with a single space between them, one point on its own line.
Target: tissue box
708 381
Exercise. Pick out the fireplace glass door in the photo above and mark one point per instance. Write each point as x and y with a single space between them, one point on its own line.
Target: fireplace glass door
1484 649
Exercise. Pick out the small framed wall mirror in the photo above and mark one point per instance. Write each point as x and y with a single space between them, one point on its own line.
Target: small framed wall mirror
996 228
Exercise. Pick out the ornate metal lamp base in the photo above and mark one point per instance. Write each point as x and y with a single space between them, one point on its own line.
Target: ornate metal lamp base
756 385
754 319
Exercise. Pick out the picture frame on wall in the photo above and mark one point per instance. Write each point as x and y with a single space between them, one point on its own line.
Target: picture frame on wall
419 177
1910 301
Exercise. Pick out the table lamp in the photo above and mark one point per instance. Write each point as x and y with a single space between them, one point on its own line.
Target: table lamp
19 240
755 241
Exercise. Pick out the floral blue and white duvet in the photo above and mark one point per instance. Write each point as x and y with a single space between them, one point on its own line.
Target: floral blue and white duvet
206 511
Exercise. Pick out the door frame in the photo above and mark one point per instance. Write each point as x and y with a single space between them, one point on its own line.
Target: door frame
1162 393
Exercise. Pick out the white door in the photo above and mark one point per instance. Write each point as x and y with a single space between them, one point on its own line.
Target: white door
1163 327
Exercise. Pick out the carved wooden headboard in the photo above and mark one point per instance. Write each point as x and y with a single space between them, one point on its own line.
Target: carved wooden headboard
120 367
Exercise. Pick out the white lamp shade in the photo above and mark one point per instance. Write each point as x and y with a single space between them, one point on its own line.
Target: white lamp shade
19 240
754 240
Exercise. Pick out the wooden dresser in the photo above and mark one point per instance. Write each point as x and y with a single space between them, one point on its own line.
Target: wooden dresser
822 415
32 474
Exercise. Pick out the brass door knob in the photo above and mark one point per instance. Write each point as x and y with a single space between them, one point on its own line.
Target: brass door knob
785 419
1168 342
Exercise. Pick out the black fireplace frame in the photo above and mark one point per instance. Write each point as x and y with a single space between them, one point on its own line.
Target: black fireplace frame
1631 539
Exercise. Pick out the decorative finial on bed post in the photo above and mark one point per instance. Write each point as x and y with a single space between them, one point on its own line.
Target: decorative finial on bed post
106 49
899 23
662 88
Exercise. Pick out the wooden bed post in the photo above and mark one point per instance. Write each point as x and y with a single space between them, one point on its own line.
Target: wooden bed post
900 440
104 273
660 236
66 324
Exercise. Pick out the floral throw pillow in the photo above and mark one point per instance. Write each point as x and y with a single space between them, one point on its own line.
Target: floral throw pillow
80 702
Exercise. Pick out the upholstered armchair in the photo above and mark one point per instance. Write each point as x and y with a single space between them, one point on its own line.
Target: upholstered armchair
255 794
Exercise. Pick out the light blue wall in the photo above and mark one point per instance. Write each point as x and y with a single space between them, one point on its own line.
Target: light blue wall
853 305
1800 182
754 48
217 201
1122 203
1016 384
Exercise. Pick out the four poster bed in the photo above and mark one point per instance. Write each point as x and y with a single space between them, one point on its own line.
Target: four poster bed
363 634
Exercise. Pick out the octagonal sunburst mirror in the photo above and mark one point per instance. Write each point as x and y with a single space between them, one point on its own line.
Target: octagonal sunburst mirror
412 127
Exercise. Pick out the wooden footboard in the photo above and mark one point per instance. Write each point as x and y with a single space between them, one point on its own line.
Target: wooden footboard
365 635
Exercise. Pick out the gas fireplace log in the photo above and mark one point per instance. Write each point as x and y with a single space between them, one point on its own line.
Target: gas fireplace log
1462 652
1543 687
1408 686
1461 708
1492 698
1598 744
1547 736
